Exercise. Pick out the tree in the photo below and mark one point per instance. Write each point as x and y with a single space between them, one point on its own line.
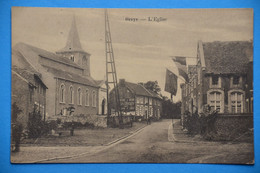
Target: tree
170 109
151 85
15 112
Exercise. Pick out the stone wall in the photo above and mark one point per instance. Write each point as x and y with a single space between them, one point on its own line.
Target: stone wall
230 126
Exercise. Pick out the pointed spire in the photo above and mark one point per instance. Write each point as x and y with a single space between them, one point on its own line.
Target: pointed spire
73 41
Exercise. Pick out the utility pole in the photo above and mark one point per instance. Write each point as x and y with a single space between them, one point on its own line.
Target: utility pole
111 75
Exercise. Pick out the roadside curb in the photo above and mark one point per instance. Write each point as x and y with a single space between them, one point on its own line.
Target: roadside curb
172 137
131 133
123 137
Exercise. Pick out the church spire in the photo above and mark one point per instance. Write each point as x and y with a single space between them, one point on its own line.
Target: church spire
73 42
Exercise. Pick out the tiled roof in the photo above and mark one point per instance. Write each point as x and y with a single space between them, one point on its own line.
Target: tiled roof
154 94
141 90
227 57
28 74
137 89
85 80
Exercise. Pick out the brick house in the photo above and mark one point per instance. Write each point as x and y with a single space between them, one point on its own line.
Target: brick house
136 100
222 78
28 93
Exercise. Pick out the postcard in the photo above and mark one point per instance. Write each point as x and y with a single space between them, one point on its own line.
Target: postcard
132 85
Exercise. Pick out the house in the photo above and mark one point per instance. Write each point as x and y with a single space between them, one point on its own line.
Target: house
222 78
136 100
66 73
28 93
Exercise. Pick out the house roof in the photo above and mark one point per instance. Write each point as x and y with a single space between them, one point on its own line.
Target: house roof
28 74
154 94
141 90
137 89
73 42
29 51
227 57
61 74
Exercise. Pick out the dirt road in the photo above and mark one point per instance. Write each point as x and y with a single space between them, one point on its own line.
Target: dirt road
155 144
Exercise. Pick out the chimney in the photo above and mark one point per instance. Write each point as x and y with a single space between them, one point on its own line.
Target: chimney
122 82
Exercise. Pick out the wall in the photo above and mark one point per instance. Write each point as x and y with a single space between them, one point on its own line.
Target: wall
82 59
61 66
230 126
102 94
27 97
20 95
79 109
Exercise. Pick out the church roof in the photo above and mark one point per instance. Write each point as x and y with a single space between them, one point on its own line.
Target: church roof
29 51
73 42
227 57
61 74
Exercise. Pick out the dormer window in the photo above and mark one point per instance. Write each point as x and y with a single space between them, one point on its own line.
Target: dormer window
214 80
236 80
72 58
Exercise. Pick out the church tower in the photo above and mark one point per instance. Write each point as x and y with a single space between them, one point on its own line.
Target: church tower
74 51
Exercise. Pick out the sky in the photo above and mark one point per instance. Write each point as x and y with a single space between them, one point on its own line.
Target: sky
142 48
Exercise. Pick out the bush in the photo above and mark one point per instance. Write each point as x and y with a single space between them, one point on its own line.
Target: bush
200 124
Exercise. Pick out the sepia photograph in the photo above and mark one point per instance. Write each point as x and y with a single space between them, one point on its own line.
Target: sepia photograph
94 85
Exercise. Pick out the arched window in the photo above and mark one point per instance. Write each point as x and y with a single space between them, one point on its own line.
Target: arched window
79 97
215 100
62 93
72 58
71 95
236 99
87 98
94 104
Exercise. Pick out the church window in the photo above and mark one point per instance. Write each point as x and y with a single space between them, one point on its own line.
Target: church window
72 58
94 99
79 97
71 95
87 98
62 93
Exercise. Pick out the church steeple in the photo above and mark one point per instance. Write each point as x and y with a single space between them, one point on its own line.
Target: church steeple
73 41
74 51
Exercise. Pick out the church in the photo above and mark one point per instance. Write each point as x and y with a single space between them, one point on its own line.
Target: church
69 87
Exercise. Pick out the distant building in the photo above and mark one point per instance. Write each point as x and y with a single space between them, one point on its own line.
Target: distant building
28 93
136 100
222 79
71 89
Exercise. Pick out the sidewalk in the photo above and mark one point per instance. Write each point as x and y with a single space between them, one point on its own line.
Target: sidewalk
179 135
36 153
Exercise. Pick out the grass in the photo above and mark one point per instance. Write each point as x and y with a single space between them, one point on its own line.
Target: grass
84 137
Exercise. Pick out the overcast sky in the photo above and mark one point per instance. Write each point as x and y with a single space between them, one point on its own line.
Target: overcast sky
142 48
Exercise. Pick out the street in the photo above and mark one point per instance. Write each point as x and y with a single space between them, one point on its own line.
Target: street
155 143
